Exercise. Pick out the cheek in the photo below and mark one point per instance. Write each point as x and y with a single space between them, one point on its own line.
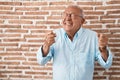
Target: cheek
63 21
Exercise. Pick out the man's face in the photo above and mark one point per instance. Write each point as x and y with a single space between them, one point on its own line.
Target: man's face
72 19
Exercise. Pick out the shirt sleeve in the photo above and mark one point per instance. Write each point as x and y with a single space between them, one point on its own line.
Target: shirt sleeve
43 60
98 57
101 61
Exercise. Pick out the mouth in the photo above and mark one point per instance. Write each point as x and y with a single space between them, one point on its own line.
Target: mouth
68 23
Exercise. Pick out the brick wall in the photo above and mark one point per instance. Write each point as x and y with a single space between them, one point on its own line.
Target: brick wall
22 28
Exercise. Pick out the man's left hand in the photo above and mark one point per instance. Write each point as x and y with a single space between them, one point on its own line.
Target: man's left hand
103 42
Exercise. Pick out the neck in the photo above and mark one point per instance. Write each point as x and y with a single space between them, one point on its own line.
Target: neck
70 35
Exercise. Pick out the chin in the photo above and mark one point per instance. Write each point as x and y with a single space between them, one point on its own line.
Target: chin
67 27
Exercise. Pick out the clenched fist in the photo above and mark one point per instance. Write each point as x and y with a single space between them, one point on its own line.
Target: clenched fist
49 40
103 42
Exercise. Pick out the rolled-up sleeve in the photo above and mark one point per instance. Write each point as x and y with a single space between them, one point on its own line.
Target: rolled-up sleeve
108 63
43 60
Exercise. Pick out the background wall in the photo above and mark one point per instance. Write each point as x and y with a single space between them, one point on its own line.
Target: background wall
23 24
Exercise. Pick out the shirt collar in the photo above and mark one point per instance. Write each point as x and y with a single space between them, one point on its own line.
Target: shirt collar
78 33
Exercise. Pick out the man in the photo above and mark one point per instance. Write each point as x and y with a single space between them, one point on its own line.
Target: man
74 49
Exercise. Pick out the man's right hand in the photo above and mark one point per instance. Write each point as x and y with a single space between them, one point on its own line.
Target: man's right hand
49 40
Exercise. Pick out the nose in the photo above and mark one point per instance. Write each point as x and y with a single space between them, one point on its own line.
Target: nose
68 17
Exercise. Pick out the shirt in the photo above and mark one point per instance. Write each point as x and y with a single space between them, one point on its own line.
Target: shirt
74 60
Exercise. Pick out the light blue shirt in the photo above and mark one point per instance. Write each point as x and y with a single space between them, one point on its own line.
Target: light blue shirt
74 60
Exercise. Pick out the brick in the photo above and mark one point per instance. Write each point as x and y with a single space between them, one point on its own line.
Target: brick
32 36
115 31
89 3
113 2
102 21
114 78
115 68
55 13
9 44
55 27
93 13
43 77
2 67
2 77
11 13
10 54
32 17
30 55
113 12
54 17
42 68
1 21
1 49
26 8
11 3
111 73
53 8
37 13
109 16
34 27
118 21
114 45
86 8
115 50
20 21
99 77
114 36
60 3
30 45
47 22
35 41
92 26
0 31
21 76
19 67
34 3
9 63
114 40
102 31
8 17
91 17
17 49
15 58
16 31
7 35
113 25
32 59
29 64
40 73
14 40
107 7
10 26
5 8
40 31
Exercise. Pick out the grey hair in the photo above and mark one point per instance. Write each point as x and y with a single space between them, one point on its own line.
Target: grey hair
81 10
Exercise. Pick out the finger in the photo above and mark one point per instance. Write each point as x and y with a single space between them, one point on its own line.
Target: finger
103 44
52 34
98 34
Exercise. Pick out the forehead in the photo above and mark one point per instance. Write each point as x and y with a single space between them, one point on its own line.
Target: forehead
73 9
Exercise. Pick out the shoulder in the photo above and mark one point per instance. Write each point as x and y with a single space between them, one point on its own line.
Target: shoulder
89 32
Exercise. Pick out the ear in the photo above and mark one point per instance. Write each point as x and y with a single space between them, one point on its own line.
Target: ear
98 34
83 20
